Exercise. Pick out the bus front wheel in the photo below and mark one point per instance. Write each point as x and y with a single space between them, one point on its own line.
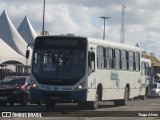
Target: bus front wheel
50 104
94 104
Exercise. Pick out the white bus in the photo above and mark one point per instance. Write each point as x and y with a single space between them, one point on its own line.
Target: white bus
85 70
146 77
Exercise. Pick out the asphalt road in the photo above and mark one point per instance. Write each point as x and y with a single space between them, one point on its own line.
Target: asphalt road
136 109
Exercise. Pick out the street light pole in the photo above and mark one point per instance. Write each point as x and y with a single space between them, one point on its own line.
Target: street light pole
104 18
44 32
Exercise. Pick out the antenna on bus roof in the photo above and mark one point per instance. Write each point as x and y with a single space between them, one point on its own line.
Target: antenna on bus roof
43 31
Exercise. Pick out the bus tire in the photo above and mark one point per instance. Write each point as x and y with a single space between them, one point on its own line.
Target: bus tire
50 104
94 104
144 97
82 104
124 102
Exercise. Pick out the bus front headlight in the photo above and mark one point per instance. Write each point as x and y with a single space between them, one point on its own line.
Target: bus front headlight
33 85
80 86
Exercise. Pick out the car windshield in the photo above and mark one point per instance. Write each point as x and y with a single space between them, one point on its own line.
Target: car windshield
13 81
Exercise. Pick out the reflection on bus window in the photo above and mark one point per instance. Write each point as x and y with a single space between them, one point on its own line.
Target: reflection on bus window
59 63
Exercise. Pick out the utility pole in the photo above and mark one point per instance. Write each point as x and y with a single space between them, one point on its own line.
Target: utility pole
104 18
43 16
44 32
122 40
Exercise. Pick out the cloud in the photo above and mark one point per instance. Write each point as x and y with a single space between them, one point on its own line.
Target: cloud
81 17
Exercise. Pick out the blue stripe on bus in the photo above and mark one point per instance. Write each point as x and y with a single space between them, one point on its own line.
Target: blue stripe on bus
35 94
66 95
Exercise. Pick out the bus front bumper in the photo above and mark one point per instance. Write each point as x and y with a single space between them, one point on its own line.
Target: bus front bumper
65 96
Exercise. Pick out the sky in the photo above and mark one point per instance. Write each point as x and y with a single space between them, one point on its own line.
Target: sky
81 17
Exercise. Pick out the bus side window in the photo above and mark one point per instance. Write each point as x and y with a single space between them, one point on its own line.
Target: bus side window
147 69
137 61
109 58
127 58
124 60
117 59
100 57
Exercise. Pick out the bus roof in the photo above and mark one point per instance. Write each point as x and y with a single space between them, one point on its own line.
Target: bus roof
146 60
65 36
100 42
113 44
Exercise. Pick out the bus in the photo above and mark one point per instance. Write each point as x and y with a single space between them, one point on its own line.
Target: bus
84 70
146 77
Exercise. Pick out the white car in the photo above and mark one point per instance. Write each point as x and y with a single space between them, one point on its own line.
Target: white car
155 92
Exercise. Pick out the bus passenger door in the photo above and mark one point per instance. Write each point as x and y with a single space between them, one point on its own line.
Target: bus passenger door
91 76
91 62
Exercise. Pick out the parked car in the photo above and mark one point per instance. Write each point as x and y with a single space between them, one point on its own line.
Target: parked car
155 92
14 89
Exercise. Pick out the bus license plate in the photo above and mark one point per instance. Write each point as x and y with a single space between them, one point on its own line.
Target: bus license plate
3 98
55 98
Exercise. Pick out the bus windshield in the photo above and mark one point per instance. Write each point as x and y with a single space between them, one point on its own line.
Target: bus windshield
58 62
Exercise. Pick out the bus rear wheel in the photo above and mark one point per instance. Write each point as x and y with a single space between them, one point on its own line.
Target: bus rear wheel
144 97
124 101
126 97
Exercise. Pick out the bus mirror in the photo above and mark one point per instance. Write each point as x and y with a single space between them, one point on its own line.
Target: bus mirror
92 56
27 54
